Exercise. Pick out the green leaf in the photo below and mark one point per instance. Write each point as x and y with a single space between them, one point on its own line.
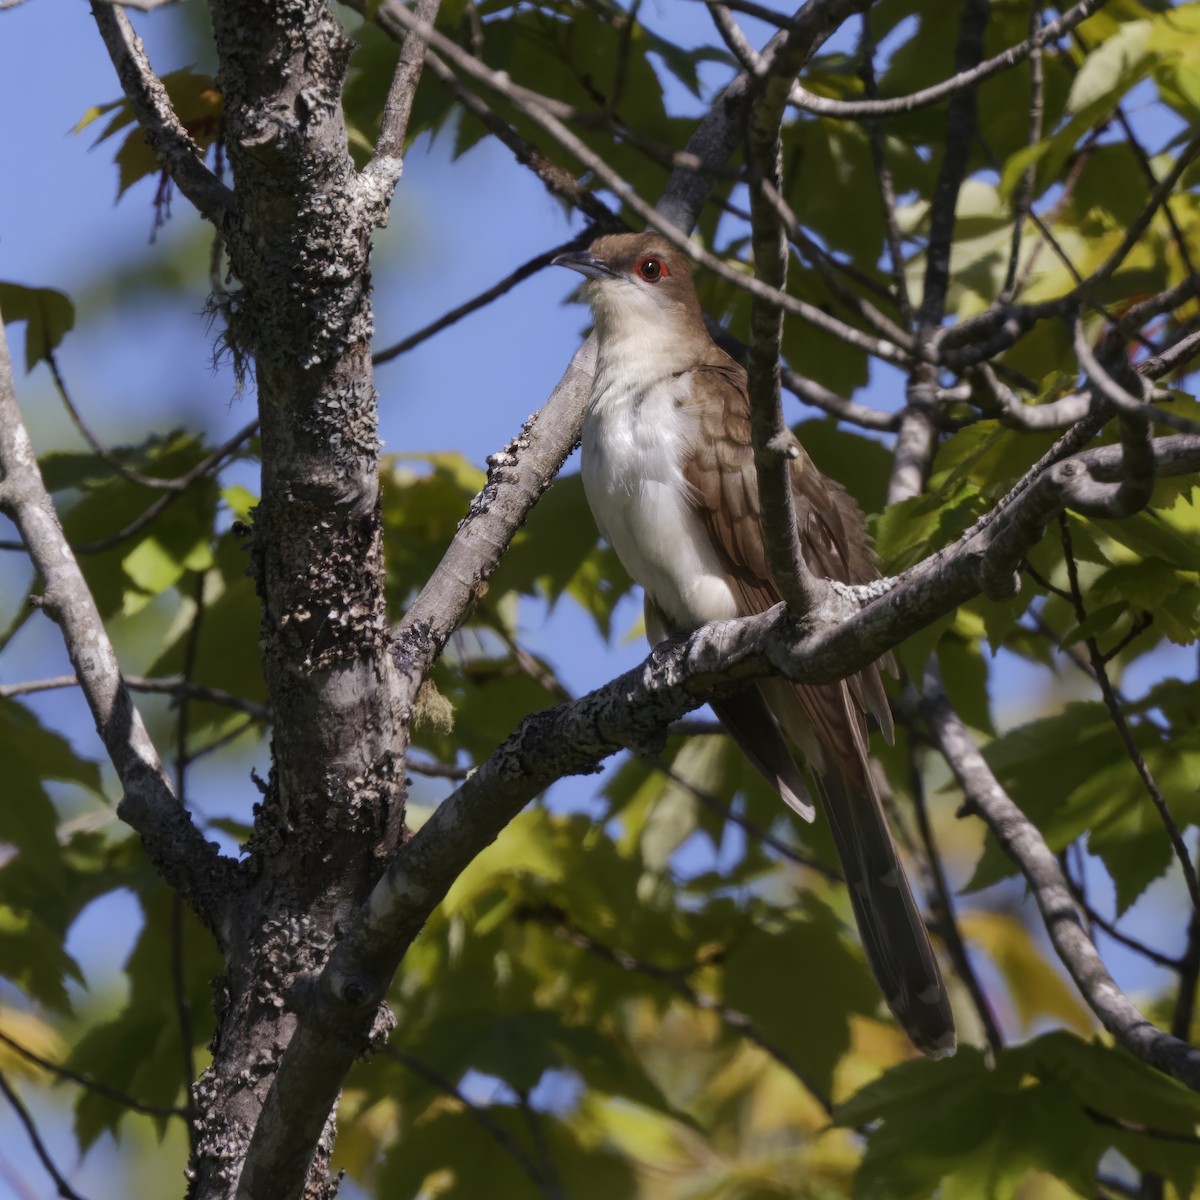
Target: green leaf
197 102
139 1050
769 976
49 313
958 1128
1112 68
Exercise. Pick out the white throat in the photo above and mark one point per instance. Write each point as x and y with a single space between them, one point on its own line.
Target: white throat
637 436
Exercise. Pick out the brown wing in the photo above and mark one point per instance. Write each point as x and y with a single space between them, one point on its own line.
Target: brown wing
828 722
836 544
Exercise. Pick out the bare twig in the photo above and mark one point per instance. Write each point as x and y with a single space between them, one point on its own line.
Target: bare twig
478 1114
1114 931
65 1190
756 831
173 146
552 1184
1113 704
201 469
510 281
1189 976
1023 201
962 80
916 440
883 174
677 981
100 450
393 126
92 1085
823 264
1157 199
558 181
942 902
854 413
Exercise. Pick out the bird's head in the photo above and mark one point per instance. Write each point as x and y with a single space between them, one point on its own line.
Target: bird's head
636 281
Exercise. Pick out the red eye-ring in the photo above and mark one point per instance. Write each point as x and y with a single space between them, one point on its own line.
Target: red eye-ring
652 269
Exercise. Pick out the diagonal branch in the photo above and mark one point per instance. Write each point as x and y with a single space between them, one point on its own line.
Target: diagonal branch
1026 846
1113 703
478 1113
180 853
319 1054
173 146
505 285
543 113
574 738
65 1190
962 80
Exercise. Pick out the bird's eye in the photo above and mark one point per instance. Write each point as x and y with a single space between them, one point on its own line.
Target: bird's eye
652 269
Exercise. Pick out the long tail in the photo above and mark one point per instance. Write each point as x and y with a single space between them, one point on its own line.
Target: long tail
893 933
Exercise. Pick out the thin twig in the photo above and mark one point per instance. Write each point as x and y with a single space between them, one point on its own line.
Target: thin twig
946 918
1117 934
962 80
756 831
883 173
202 468
92 1085
65 1190
677 981
1023 201
169 686
397 108
481 1115
101 451
1157 199
552 1184
1189 976
510 281
558 181
1113 704
916 440
1139 152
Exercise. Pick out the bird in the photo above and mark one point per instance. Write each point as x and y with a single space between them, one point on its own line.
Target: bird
668 470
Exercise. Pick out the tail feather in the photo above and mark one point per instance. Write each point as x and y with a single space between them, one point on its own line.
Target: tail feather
748 721
893 934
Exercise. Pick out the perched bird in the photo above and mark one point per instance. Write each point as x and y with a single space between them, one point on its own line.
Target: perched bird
668 468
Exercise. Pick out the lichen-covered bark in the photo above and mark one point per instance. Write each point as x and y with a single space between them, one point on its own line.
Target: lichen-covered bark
300 322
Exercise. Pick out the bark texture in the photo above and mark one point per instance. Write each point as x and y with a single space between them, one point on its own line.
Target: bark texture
300 326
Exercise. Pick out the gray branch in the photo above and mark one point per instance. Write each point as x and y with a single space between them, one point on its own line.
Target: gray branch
959 82
774 444
173 146
387 160
178 849
1023 843
631 711
916 440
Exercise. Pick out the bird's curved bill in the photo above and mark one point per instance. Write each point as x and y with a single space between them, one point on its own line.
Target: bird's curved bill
585 263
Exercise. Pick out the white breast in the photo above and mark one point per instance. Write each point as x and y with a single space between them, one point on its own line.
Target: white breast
635 438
